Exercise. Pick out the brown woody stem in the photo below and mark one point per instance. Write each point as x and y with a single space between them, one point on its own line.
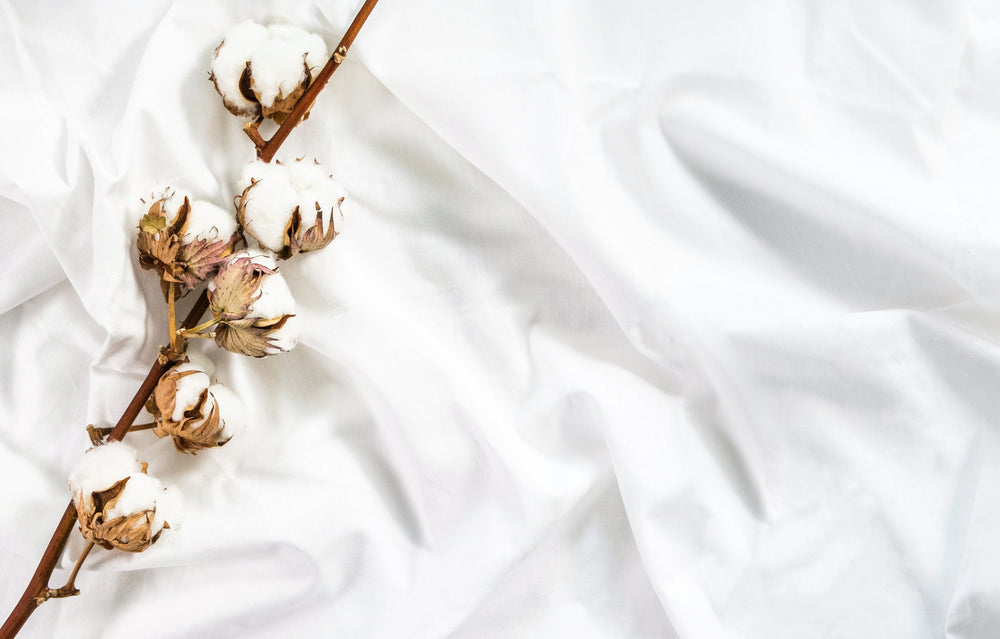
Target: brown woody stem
38 585
171 316
252 129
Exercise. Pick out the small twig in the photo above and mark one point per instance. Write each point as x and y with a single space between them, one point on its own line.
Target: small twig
191 332
201 335
69 590
97 434
252 129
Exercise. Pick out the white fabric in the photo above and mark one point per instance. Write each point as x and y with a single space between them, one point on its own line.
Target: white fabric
648 319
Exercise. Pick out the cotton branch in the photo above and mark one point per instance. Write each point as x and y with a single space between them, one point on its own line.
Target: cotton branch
38 590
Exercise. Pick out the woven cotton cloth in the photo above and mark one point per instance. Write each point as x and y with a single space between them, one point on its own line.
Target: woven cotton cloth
648 319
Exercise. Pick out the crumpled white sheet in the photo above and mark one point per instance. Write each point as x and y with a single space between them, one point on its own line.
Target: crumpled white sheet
650 319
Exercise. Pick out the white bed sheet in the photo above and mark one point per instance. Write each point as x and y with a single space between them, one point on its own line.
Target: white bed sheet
649 319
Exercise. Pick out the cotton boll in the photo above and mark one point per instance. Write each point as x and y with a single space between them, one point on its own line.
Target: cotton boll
281 61
101 467
267 200
174 199
273 193
312 44
184 406
267 213
256 170
124 516
304 174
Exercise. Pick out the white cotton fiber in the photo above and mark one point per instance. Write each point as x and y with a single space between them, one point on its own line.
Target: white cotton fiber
209 222
141 493
285 338
304 174
230 409
101 468
201 362
262 257
278 69
189 388
169 508
278 56
268 205
275 298
231 60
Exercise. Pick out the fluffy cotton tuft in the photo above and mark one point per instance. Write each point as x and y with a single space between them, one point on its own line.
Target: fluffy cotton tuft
276 300
231 409
200 362
267 207
189 388
142 492
209 222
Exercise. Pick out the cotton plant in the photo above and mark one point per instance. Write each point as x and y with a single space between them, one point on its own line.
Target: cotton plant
231 256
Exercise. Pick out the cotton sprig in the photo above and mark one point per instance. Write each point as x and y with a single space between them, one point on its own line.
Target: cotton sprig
262 71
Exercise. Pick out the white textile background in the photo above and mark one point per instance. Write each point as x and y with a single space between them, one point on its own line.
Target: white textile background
649 319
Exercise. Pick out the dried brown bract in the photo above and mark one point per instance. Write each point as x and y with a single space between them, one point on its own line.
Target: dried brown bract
171 242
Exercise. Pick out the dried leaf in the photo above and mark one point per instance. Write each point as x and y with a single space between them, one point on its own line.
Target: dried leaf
236 288
314 237
250 336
